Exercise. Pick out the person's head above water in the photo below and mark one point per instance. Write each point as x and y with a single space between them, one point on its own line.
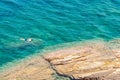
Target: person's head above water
27 40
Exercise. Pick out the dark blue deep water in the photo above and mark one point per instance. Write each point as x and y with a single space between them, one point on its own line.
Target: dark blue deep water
52 22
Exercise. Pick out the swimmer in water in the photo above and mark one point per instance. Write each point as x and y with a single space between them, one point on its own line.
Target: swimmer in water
27 40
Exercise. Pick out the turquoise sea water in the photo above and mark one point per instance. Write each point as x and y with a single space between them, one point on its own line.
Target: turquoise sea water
52 22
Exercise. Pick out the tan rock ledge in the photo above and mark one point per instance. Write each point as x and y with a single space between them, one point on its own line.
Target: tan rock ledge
96 60
35 69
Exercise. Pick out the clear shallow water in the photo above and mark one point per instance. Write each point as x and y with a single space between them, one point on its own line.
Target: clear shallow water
51 22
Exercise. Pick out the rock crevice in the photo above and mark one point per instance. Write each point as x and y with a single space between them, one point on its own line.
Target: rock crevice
93 61
87 62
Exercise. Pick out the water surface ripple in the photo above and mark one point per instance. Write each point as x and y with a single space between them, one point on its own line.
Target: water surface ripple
51 22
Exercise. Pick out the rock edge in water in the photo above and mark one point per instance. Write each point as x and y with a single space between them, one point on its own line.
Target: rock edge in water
97 60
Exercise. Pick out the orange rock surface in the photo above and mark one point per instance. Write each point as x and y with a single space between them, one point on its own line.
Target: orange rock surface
96 60
89 60
35 69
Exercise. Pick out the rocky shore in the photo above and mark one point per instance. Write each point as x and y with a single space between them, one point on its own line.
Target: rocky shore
91 61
